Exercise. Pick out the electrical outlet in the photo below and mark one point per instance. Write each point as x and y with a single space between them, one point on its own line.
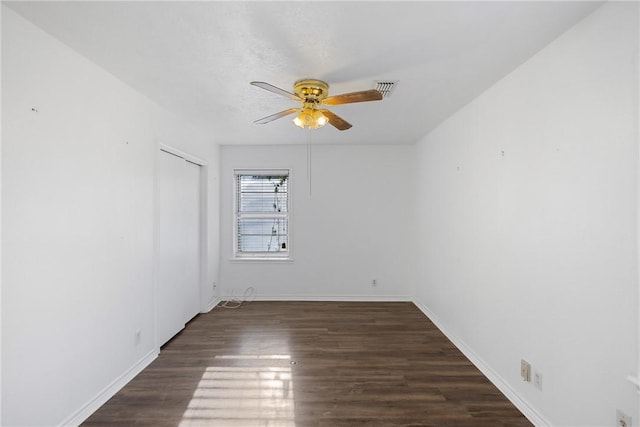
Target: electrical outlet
374 283
525 370
537 379
622 419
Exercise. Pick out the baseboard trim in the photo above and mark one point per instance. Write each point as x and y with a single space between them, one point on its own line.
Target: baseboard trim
336 298
109 391
212 304
523 406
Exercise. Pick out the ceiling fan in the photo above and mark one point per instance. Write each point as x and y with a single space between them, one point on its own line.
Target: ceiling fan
314 94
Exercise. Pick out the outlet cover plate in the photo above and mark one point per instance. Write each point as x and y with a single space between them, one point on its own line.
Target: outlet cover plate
537 380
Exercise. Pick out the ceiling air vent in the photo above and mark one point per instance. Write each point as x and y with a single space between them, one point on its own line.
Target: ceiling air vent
386 87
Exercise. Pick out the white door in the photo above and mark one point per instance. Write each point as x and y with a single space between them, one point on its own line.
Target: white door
178 260
191 204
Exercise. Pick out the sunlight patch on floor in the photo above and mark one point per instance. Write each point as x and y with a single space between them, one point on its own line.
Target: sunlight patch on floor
243 391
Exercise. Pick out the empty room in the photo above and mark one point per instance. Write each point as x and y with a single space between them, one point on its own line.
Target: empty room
320 214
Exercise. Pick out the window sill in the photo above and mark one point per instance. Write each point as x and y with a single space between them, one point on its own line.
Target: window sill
261 259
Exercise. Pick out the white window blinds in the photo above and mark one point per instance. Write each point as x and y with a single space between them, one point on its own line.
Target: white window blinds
262 213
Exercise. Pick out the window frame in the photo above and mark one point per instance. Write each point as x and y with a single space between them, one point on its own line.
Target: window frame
282 255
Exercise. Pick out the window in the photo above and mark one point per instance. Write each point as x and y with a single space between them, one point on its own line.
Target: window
262 214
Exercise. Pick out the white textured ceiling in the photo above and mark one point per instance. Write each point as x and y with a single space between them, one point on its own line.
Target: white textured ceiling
196 59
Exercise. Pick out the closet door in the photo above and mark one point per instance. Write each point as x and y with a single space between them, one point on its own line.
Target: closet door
178 245
191 209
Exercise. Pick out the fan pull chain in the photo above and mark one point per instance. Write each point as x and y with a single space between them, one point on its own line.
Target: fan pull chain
309 160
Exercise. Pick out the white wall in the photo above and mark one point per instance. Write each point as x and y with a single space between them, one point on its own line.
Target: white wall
532 254
353 228
78 225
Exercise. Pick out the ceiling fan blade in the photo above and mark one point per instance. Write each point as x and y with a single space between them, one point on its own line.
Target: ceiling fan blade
275 116
348 98
336 121
277 90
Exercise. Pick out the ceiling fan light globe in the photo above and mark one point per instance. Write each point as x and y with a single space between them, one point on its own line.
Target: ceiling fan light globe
320 119
310 119
298 121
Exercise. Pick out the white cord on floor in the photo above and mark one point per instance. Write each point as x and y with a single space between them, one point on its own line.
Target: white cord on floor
234 302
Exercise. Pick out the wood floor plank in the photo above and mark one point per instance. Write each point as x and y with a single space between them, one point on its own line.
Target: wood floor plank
310 364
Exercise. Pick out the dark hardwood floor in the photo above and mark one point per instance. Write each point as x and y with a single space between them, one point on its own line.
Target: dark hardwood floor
320 364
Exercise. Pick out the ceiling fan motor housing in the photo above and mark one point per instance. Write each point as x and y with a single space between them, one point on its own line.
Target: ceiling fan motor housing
311 91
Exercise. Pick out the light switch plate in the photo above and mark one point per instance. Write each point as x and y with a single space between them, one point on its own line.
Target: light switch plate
525 370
